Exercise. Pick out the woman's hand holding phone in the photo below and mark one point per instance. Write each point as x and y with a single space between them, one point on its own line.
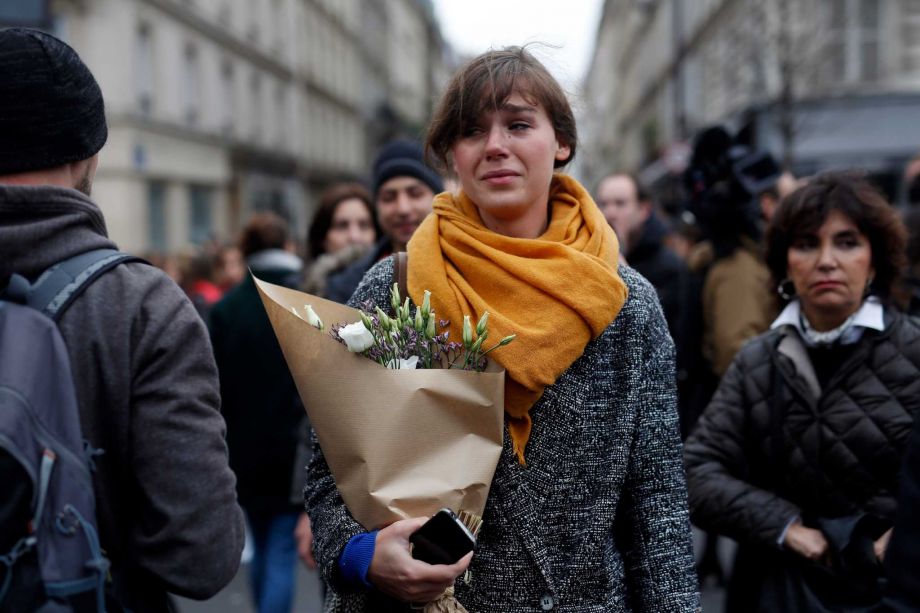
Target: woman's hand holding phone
396 573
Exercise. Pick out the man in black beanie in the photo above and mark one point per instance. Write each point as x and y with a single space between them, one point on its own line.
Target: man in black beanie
404 188
144 374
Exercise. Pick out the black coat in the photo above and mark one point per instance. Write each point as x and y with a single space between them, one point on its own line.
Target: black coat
342 284
259 400
681 305
665 271
837 451
903 556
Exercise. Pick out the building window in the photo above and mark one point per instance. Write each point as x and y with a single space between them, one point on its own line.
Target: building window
252 29
143 69
60 26
278 21
156 216
255 94
225 14
281 123
228 99
910 36
191 87
201 222
854 40
32 13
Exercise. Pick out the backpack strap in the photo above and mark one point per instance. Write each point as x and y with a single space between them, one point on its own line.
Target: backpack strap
401 272
61 284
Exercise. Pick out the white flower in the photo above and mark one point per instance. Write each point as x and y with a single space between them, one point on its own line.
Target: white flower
357 338
312 318
408 364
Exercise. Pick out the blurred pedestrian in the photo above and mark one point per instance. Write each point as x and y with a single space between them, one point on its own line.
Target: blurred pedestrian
229 268
404 187
628 208
737 303
797 455
770 198
909 294
902 558
344 228
587 508
142 366
265 419
910 184
196 267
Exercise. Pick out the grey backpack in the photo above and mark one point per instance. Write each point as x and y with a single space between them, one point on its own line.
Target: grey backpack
50 557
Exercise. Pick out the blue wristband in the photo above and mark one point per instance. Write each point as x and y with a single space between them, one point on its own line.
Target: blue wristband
356 558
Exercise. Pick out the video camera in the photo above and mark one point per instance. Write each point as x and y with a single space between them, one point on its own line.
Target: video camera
725 179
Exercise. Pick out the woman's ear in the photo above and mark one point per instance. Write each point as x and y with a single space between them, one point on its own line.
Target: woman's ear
563 152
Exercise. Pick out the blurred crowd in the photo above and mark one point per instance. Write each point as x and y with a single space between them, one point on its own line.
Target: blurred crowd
792 304
707 258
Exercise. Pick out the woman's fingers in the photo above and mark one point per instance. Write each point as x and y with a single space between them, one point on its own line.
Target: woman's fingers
395 572
881 545
807 542
304 538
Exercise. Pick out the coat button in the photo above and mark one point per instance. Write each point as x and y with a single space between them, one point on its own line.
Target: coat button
547 603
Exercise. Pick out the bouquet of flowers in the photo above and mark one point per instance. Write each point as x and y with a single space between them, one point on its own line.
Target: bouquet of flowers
416 427
406 342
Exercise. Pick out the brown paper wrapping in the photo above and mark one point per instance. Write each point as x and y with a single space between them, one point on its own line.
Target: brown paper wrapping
399 443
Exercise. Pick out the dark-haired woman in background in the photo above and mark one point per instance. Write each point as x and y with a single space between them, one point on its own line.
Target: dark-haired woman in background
797 455
344 227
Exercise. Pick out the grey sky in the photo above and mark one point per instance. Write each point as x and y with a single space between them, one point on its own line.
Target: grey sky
472 26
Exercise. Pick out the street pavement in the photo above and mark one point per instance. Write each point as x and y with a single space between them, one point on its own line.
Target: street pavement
235 597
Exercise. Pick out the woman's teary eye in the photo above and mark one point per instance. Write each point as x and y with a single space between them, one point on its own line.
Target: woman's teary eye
804 242
847 240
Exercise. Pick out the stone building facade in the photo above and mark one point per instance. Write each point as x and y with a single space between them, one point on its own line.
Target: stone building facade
218 108
819 83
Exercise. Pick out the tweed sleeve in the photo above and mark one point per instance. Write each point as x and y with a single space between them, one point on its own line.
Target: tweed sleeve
653 519
333 525
722 498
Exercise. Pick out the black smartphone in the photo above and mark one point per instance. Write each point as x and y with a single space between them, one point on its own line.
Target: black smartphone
443 539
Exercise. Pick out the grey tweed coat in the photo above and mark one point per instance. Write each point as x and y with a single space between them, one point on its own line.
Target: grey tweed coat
597 521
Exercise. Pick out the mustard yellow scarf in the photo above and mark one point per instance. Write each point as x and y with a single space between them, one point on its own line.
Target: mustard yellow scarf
556 292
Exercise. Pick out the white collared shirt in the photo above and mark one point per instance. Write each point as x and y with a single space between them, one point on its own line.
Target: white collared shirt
870 315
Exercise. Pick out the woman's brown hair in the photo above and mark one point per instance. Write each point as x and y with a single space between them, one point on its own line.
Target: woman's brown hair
806 209
483 84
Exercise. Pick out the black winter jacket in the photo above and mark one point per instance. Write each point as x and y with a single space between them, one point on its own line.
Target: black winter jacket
841 446
342 284
664 270
260 403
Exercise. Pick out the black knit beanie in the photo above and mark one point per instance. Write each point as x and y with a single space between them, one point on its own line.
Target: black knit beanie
51 109
404 158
